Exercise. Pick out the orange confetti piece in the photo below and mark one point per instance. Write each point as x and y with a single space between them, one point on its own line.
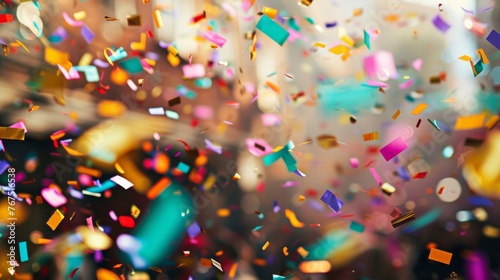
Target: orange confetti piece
396 114
158 188
492 122
223 212
88 171
72 152
440 256
303 252
315 266
290 215
370 136
419 109
470 122
272 86
232 271
285 251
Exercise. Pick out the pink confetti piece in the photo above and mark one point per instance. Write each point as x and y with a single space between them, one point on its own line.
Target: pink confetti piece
394 148
124 183
380 63
289 184
72 74
376 176
53 197
19 125
71 21
214 38
193 71
417 64
354 162
270 119
406 84
90 223
113 216
258 147
203 112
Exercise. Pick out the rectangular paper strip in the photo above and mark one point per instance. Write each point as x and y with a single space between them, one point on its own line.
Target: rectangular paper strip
394 148
440 256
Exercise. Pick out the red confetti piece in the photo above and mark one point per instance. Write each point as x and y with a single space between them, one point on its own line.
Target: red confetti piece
150 34
126 221
347 216
441 189
185 144
194 123
6 18
314 225
199 17
72 274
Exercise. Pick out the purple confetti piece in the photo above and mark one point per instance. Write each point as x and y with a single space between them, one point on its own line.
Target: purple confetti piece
276 207
330 24
467 11
440 24
494 39
152 56
193 230
484 10
332 201
87 34
3 166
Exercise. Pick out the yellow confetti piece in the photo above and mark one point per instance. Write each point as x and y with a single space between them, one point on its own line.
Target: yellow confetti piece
470 122
290 215
236 177
315 266
419 109
303 252
270 12
34 108
319 45
107 55
173 60
157 18
348 40
301 198
265 246
465 58
119 168
135 211
141 45
79 15
22 45
86 59
172 50
54 56
340 49
55 219
483 57
492 122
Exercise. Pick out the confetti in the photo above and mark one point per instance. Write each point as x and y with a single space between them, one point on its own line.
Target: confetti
370 136
272 30
327 141
55 220
290 215
407 217
9 133
494 38
440 256
393 149
124 183
332 201
470 122
440 24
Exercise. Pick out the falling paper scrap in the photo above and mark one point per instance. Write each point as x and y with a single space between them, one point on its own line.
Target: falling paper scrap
272 30
407 217
332 201
10 133
440 256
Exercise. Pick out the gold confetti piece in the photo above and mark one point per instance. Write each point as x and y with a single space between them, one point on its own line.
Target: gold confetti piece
157 18
173 60
135 211
55 219
22 45
285 251
104 274
465 58
265 246
111 109
54 56
141 45
232 271
483 57
357 12
303 252
407 217
290 215
327 141
110 18
388 189
319 45
270 12
119 168
306 2
43 241
301 198
11 133
223 212
419 109
315 266
396 114
79 15
217 264
172 50
370 136
440 256
134 20
492 122
470 122
5 49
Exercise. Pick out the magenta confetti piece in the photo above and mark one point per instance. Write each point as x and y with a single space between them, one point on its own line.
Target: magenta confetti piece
394 148
440 24
376 176
214 38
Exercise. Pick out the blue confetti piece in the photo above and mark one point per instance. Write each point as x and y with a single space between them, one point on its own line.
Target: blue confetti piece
193 230
480 201
332 201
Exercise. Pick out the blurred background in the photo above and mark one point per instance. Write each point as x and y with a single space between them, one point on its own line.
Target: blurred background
178 139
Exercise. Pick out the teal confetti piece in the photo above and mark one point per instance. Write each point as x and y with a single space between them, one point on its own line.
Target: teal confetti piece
284 154
310 20
367 40
272 30
257 228
104 186
184 168
172 114
132 65
23 251
293 24
355 226
424 220
90 71
479 67
276 277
